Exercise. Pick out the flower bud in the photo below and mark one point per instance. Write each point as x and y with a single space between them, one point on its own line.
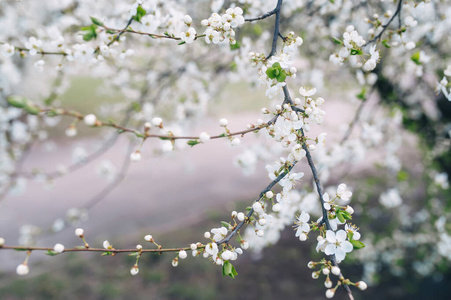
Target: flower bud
58 248
336 270
330 293
90 119
79 232
361 285
22 269
182 254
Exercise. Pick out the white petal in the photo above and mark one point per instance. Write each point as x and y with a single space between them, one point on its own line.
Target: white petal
305 217
341 235
356 236
346 246
339 254
331 249
330 236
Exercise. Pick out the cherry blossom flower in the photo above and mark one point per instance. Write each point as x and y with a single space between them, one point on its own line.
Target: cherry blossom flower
337 244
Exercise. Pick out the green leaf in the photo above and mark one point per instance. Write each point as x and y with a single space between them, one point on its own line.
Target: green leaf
340 217
356 52
270 73
357 244
193 143
19 249
181 43
402 175
140 12
140 135
110 31
96 21
225 224
89 33
134 254
281 77
17 101
362 95
136 106
416 58
51 253
276 65
32 109
346 215
107 253
235 46
385 43
229 270
337 41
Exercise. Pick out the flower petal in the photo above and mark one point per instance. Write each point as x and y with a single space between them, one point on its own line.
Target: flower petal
330 249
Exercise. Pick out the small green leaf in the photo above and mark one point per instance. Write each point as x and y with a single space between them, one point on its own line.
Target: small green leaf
357 244
17 101
223 135
110 31
340 217
140 135
96 21
362 95
356 52
229 270
136 106
19 249
225 224
140 12
416 58
89 32
165 138
402 175
193 143
276 65
281 77
51 253
235 46
337 41
181 43
134 254
270 73
385 43
32 109
107 253
346 215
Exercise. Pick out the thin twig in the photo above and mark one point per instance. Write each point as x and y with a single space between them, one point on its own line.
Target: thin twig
384 27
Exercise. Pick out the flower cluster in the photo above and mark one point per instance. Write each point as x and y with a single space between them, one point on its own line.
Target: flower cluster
444 86
221 28
352 51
